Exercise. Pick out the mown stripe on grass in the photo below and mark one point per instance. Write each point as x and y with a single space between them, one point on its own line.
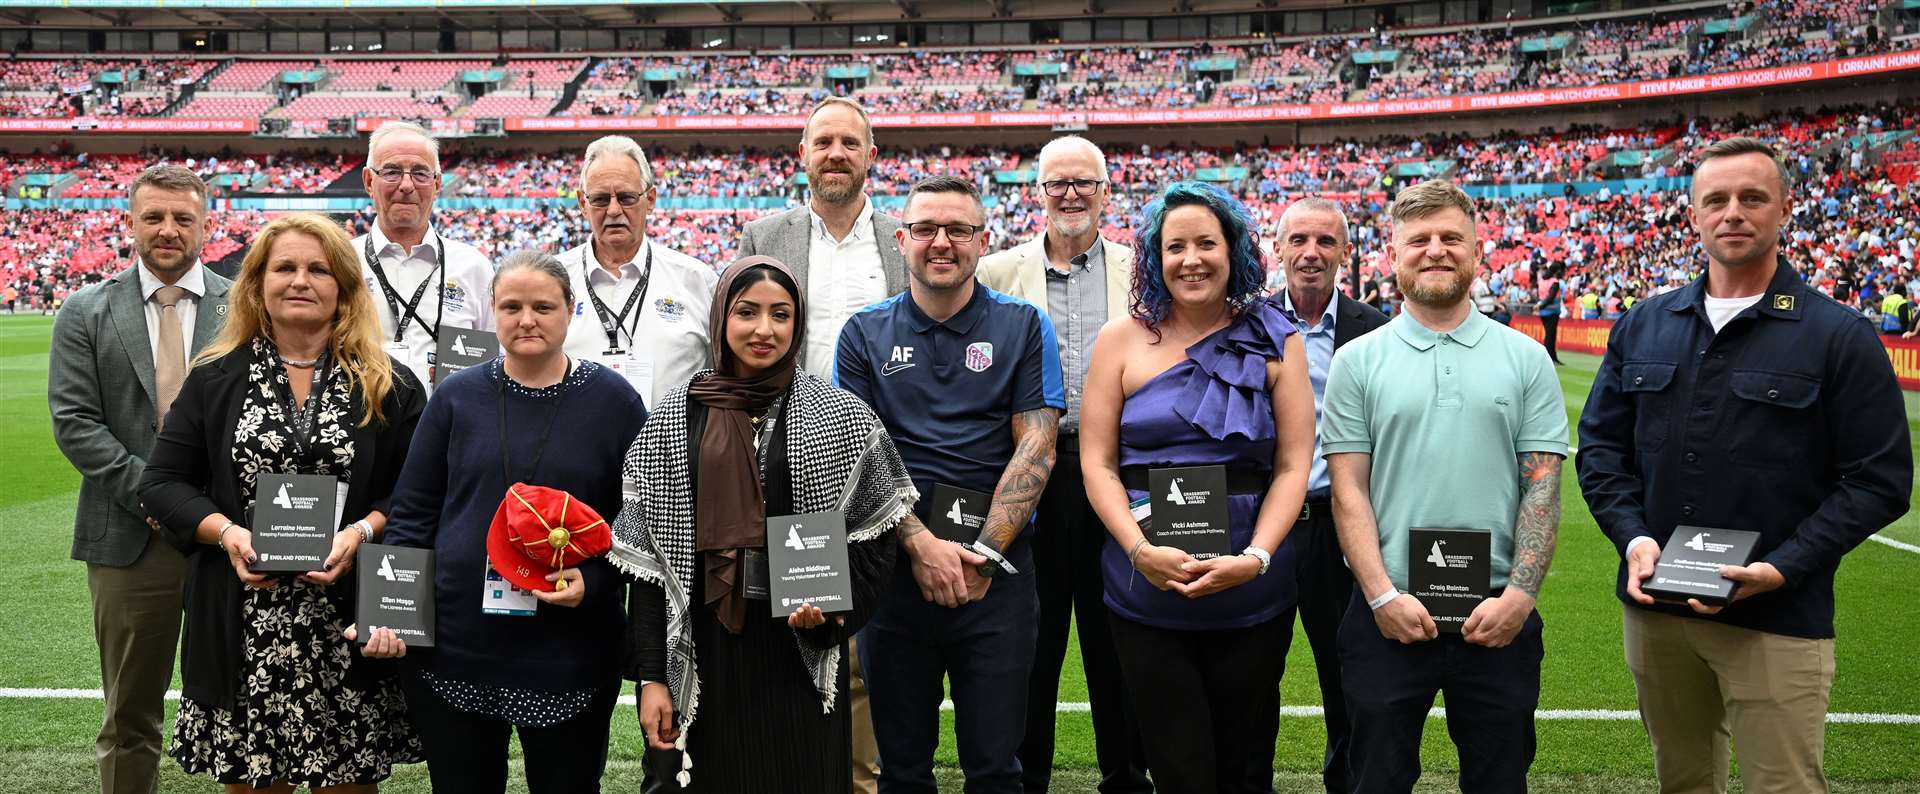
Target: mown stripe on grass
1894 543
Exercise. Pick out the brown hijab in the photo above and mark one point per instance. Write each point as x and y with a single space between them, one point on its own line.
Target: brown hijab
729 507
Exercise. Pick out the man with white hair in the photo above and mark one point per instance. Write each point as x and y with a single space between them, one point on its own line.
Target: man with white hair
423 282
639 307
1080 280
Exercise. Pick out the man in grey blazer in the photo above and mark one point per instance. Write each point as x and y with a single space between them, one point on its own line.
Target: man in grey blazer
840 248
1080 280
120 353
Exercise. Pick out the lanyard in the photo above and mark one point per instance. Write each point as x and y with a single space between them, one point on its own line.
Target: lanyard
393 296
610 322
303 421
540 447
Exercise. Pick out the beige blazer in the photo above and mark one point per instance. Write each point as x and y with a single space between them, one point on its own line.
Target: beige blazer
1021 271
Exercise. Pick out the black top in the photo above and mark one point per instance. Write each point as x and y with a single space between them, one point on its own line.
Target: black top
1788 422
191 476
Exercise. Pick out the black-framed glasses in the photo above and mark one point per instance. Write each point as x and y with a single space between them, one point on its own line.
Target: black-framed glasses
1057 188
956 232
391 175
601 201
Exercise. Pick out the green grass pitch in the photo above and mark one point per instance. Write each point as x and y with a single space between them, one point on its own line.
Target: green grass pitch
46 744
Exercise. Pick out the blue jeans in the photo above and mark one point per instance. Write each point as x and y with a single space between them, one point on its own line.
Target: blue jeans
985 648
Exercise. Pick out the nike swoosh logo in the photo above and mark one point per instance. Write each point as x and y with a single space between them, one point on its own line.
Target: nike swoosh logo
894 366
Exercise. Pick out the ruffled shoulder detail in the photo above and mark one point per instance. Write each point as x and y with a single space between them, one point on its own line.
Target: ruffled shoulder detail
1225 392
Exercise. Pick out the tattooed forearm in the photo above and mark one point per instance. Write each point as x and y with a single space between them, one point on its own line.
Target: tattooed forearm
1537 526
1020 485
909 527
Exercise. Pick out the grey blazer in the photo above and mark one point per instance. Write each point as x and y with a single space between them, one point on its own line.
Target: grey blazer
786 237
100 389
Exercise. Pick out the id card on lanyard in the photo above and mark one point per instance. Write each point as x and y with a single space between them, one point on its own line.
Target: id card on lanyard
497 595
408 311
632 361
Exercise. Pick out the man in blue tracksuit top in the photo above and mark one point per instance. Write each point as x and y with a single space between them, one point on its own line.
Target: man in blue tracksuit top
967 382
1744 401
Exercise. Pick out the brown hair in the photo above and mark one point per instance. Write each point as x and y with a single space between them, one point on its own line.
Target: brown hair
1746 145
169 177
865 120
1427 198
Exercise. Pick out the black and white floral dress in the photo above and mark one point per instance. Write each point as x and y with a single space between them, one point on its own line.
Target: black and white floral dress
297 716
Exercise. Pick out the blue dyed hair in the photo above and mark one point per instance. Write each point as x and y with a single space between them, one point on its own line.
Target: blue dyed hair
1246 266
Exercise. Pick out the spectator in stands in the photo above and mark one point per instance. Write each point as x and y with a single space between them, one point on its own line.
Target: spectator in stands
1079 279
405 258
1807 446
120 353
640 307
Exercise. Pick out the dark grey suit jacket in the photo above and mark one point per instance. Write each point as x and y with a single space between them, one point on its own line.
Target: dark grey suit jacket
1352 319
787 237
100 389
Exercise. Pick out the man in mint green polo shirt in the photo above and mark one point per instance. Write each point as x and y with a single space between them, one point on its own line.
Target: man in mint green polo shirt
1444 420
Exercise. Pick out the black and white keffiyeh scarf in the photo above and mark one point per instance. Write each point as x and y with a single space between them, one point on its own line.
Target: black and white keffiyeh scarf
841 459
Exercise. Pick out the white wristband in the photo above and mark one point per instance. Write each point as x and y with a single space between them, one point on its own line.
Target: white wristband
1260 554
1639 539
1383 599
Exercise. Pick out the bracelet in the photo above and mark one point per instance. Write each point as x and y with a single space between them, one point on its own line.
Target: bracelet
1259 554
1383 599
1135 554
221 538
366 530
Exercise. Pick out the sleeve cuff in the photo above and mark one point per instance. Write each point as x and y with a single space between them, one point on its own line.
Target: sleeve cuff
1631 544
1548 446
1331 447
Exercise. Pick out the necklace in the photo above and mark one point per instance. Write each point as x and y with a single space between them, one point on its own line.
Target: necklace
299 362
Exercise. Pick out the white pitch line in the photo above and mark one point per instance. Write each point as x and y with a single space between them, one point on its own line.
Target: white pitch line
1074 707
1894 543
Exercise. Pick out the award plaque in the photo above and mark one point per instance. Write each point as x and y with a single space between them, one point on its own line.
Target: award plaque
807 563
1689 566
1189 510
396 592
460 348
1450 571
294 518
958 514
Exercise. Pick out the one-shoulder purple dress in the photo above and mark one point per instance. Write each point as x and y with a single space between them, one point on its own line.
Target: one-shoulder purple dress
1213 408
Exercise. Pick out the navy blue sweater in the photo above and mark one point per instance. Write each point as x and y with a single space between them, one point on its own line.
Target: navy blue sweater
452 484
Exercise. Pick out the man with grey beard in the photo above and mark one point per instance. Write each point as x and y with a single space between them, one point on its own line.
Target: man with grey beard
1080 280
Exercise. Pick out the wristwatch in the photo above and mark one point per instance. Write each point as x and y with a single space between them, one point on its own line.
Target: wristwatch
995 564
1260 554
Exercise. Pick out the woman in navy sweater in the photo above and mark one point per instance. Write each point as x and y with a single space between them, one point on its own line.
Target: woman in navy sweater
548 666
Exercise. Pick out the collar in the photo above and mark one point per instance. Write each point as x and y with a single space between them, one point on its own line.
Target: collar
1330 315
1784 297
862 223
598 274
1083 261
194 281
962 322
381 243
1422 338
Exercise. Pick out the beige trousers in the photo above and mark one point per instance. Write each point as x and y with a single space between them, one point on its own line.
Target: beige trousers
136 624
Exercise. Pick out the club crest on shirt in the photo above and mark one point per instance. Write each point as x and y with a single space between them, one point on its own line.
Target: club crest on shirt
980 356
670 310
456 296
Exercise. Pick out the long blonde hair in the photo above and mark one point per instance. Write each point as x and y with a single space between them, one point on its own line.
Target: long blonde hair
356 337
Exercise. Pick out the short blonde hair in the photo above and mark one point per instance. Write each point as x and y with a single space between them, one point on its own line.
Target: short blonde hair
865 121
1429 197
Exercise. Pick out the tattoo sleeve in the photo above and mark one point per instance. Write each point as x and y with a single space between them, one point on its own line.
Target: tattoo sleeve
1537 527
1034 433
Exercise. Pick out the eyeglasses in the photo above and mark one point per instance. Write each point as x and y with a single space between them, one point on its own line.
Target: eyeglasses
1057 188
956 232
600 201
420 176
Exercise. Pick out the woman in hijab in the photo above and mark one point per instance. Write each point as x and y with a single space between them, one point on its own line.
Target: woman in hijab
753 438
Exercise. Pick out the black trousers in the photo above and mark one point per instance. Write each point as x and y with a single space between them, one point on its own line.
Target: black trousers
1550 324
1325 588
1491 696
467 752
1211 700
1067 539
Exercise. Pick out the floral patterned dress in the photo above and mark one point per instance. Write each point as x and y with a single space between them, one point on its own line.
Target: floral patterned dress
298 717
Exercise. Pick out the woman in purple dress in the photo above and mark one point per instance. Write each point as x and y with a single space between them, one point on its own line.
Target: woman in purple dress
1203 372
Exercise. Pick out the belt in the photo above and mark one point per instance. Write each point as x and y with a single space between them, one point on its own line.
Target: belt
1319 500
1240 482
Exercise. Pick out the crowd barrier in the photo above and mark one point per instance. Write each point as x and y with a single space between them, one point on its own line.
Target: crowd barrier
1590 336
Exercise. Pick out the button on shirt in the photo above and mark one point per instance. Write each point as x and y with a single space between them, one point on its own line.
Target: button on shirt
843 277
464 296
1318 338
187 311
1077 305
1445 417
668 326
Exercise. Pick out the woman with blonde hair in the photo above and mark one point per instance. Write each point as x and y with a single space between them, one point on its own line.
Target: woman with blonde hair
273 696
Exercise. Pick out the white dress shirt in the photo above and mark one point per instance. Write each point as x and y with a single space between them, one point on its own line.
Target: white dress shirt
665 340
843 277
187 310
465 297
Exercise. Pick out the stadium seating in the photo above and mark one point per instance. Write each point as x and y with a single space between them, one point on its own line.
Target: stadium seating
254 75
225 106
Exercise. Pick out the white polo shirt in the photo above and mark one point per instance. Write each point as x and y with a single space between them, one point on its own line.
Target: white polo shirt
664 340
463 297
843 277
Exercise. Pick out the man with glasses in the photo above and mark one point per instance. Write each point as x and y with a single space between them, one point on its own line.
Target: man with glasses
1079 280
423 282
639 306
967 382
